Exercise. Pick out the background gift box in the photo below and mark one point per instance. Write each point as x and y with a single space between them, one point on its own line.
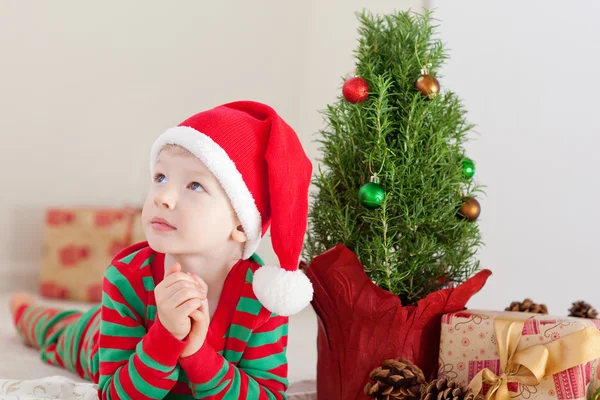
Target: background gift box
469 344
79 243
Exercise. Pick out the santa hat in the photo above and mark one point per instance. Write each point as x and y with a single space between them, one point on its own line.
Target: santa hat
259 161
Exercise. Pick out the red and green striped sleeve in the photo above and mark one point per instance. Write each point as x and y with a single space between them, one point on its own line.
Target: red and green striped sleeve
260 374
134 362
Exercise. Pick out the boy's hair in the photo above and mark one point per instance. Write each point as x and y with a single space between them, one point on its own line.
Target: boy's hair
182 151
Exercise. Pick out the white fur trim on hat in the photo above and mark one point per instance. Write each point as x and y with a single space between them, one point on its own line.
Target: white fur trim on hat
280 291
223 168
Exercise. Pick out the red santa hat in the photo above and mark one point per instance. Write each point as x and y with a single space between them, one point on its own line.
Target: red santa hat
259 161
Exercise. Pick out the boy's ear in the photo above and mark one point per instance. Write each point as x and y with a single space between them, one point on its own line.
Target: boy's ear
239 235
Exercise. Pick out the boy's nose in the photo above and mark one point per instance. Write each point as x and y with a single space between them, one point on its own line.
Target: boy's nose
165 199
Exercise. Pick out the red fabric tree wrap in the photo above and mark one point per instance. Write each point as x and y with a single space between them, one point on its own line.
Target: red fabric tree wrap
361 325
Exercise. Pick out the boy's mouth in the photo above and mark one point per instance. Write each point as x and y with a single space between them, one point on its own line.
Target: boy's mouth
161 224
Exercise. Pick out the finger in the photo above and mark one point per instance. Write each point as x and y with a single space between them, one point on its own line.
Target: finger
199 323
174 268
189 306
183 295
197 315
177 276
179 285
200 282
204 309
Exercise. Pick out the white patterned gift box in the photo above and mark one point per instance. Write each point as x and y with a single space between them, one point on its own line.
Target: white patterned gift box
469 345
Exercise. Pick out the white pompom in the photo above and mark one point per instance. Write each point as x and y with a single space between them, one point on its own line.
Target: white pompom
282 292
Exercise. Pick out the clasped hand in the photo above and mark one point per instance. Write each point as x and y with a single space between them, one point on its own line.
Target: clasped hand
182 307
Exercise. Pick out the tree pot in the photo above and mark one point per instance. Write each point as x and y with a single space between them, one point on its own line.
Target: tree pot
360 325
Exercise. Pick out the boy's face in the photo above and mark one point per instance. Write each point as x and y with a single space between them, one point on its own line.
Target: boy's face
186 210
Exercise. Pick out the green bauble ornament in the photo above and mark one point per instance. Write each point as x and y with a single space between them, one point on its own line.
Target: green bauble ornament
372 194
468 167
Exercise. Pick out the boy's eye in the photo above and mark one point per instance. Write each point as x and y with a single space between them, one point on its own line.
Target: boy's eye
159 178
196 186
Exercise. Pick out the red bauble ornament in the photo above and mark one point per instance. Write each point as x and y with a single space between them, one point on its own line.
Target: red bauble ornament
356 90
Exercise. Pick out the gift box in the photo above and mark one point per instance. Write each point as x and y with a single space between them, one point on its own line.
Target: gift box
78 246
511 355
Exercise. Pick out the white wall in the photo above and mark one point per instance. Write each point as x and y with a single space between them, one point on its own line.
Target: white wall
526 72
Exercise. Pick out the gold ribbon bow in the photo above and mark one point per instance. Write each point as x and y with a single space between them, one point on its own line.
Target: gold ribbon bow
528 366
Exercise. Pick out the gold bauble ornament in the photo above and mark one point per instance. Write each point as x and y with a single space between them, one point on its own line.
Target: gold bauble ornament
470 209
428 85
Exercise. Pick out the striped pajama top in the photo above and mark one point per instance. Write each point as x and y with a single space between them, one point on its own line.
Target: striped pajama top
243 357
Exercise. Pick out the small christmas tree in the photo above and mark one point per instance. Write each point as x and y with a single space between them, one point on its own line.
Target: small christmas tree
396 186
395 206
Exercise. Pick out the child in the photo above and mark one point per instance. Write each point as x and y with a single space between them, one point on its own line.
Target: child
189 313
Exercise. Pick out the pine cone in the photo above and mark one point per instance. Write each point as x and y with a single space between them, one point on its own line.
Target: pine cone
527 306
581 309
444 389
395 380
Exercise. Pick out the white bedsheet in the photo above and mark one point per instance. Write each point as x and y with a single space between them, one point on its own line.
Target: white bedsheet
23 376
52 387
